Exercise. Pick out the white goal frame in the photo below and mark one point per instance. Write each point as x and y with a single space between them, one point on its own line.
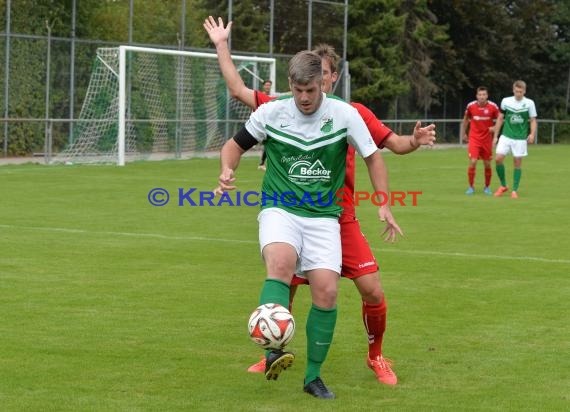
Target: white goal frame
146 103
123 82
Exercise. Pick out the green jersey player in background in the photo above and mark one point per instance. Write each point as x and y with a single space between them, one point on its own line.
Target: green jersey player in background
518 118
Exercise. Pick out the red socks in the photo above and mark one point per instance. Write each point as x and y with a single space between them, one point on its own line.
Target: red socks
374 317
488 174
471 175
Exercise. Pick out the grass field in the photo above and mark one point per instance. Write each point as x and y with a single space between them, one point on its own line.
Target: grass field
110 304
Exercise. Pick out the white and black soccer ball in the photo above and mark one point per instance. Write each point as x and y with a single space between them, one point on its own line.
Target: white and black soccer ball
271 326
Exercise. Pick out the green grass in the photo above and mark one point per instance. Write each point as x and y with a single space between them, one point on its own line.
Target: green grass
110 304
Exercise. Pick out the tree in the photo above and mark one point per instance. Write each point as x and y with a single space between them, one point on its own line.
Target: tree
251 23
517 40
375 51
424 41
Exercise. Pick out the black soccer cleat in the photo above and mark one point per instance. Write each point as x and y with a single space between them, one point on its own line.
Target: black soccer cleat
276 362
318 389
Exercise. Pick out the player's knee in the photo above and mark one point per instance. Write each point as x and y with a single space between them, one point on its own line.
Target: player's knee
281 269
371 292
374 296
325 297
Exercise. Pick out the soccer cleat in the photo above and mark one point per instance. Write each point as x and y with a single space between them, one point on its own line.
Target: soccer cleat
318 389
501 190
469 191
514 195
487 191
276 362
382 367
261 167
258 367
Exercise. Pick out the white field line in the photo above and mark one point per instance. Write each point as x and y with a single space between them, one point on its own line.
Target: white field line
254 242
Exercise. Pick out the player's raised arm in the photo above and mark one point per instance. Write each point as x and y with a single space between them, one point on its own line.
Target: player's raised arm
219 36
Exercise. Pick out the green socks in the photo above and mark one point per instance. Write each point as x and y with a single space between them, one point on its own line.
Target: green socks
275 291
501 173
516 179
320 331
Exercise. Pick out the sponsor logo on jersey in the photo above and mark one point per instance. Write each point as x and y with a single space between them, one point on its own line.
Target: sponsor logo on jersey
288 159
305 172
516 119
327 124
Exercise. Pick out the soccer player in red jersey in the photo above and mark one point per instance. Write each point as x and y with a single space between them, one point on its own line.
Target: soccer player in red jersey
358 261
479 119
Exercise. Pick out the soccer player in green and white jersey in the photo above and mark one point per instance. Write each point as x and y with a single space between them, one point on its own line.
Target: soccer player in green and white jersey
306 137
518 118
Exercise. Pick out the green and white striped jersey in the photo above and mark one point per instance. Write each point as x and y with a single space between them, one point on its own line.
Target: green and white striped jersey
306 154
517 117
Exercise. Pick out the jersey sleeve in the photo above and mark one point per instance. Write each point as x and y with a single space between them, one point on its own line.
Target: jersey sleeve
531 109
503 105
378 130
359 136
255 125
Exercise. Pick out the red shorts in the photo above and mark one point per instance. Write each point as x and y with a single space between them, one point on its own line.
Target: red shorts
357 258
480 150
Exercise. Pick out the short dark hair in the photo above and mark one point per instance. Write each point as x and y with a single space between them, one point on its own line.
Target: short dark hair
482 89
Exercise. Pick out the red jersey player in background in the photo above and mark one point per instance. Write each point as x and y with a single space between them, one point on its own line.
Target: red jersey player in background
480 116
358 262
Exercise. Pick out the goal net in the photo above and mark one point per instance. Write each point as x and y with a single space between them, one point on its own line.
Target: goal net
145 103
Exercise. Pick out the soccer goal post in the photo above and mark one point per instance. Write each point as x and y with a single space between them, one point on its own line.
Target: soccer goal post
149 103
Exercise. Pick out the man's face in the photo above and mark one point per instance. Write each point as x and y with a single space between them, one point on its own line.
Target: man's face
307 96
482 97
267 87
328 76
518 92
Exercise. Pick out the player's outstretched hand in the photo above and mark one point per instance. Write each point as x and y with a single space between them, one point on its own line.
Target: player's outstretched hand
225 180
392 229
424 135
216 30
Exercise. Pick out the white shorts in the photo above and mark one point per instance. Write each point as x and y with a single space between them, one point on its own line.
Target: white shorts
316 239
506 145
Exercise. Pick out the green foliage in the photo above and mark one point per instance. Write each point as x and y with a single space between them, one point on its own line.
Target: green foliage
517 40
407 57
250 23
377 61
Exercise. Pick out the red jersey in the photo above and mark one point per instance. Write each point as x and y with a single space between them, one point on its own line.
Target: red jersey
377 129
480 119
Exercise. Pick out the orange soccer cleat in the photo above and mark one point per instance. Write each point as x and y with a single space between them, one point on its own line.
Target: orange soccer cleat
382 367
258 367
501 190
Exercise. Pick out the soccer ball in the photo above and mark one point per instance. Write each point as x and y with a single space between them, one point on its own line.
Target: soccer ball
271 326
